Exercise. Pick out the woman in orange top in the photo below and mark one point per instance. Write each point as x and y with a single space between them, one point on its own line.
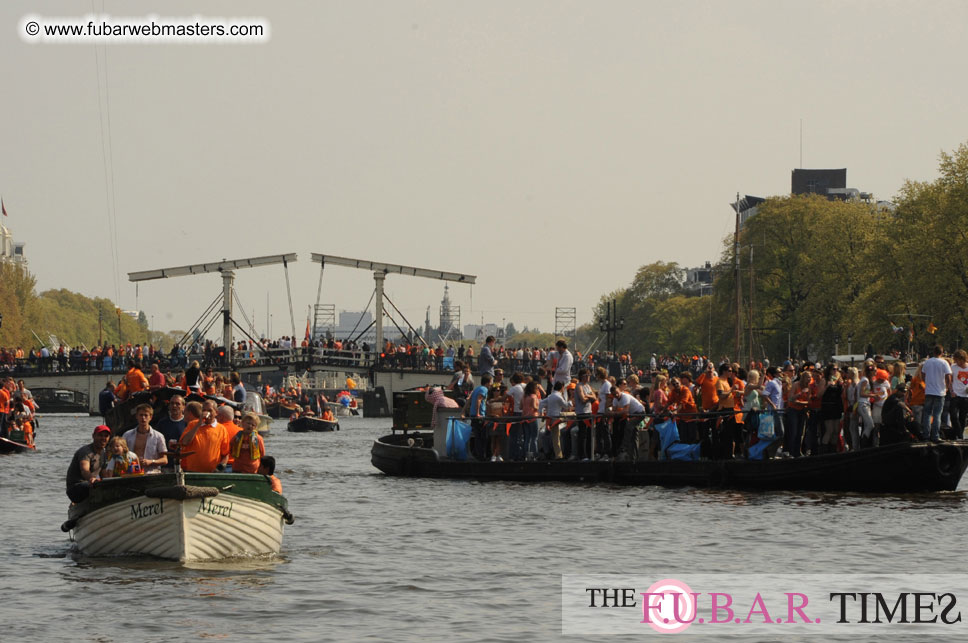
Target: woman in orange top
707 383
681 401
915 394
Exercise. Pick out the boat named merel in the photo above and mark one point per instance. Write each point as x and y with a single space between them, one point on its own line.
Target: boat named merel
180 516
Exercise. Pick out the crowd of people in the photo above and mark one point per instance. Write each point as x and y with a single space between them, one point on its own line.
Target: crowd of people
793 410
213 438
194 379
440 357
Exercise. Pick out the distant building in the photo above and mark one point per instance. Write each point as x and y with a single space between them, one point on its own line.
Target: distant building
699 281
479 333
747 207
352 324
11 251
829 183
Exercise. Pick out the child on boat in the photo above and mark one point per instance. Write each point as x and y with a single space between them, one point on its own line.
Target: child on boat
247 447
267 468
121 462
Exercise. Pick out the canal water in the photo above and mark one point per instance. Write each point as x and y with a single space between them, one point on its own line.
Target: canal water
382 559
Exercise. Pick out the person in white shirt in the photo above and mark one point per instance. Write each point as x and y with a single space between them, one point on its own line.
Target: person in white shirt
865 419
937 382
564 362
623 405
959 393
552 406
602 427
583 397
145 442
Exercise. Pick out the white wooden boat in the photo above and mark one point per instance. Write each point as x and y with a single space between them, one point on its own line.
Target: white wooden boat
180 516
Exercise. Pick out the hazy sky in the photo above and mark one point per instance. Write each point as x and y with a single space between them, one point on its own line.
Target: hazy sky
550 148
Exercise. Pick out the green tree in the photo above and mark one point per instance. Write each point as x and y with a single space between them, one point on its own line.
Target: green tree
929 249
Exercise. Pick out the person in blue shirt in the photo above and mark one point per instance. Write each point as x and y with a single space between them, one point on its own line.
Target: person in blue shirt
106 399
476 410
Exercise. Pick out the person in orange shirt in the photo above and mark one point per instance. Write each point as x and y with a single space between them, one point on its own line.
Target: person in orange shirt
247 446
681 401
5 396
134 380
709 398
206 441
209 385
730 388
915 394
226 416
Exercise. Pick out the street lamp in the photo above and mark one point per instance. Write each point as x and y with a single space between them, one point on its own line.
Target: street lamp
610 325
850 338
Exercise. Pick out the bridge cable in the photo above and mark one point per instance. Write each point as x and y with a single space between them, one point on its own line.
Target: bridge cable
235 295
215 303
363 332
292 318
403 335
251 338
360 319
405 320
215 317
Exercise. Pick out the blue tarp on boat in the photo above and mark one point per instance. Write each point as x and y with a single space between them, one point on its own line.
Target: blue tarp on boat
458 434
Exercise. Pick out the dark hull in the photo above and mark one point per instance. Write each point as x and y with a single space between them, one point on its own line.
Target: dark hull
277 410
12 446
304 425
899 468
64 407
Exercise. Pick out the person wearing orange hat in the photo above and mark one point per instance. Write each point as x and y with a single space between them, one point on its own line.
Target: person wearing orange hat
880 391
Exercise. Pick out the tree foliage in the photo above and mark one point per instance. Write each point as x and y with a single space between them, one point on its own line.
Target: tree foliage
69 316
821 271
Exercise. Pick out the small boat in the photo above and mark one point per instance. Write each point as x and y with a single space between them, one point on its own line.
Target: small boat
278 410
55 400
345 405
896 468
15 442
180 516
304 424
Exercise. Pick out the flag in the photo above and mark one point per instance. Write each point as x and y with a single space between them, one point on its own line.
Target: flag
895 328
307 328
911 334
3 206
932 328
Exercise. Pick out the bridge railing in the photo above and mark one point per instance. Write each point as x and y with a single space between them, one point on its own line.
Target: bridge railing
283 358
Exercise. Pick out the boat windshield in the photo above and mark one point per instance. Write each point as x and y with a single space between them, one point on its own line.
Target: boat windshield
254 403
